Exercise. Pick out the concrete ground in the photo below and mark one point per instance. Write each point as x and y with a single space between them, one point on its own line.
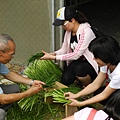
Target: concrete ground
104 15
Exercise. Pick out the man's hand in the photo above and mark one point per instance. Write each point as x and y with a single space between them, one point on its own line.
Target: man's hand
37 82
34 89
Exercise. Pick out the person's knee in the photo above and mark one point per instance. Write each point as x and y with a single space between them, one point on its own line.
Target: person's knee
66 80
2 114
85 80
80 71
17 88
11 88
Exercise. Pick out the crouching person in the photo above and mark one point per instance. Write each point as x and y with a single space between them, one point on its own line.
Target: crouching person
106 51
11 93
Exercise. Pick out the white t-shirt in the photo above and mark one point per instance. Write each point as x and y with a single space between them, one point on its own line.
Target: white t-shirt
84 113
114 76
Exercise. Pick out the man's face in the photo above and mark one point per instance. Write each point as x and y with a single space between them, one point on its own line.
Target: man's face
6 56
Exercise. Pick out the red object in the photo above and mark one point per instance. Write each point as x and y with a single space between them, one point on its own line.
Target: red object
92 114
107 77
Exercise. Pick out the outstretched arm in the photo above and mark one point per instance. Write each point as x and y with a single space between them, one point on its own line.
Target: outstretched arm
10 98
48 56
96 84
20 79
102 96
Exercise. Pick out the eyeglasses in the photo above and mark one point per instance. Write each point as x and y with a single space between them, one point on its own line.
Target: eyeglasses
11 55
66 23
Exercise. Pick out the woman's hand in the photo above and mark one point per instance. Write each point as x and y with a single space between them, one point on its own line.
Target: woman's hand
75 103
69 95
47 56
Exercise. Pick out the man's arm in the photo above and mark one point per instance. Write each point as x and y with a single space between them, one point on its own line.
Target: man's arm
10 98
20 79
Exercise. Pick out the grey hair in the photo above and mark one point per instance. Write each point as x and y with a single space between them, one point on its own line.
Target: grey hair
4 38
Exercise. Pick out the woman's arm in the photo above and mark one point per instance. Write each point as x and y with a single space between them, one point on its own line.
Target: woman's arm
48 56
61 51
84 38
53 53
102 96
96 84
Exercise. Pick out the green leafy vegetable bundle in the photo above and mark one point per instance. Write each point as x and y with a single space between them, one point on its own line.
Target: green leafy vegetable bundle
29 103
58 95
44 70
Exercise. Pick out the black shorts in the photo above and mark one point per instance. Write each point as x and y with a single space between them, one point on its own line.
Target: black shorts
8 89
81 68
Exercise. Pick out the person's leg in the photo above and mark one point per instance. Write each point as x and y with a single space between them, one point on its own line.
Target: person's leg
85 73
11 88
85 80
69 118
68 75
2 114
8 89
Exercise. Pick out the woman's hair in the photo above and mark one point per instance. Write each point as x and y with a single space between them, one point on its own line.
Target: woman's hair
112 107
106 49
81 18
76 14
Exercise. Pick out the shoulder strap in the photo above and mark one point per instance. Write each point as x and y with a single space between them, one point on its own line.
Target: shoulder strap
92 114
107 77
